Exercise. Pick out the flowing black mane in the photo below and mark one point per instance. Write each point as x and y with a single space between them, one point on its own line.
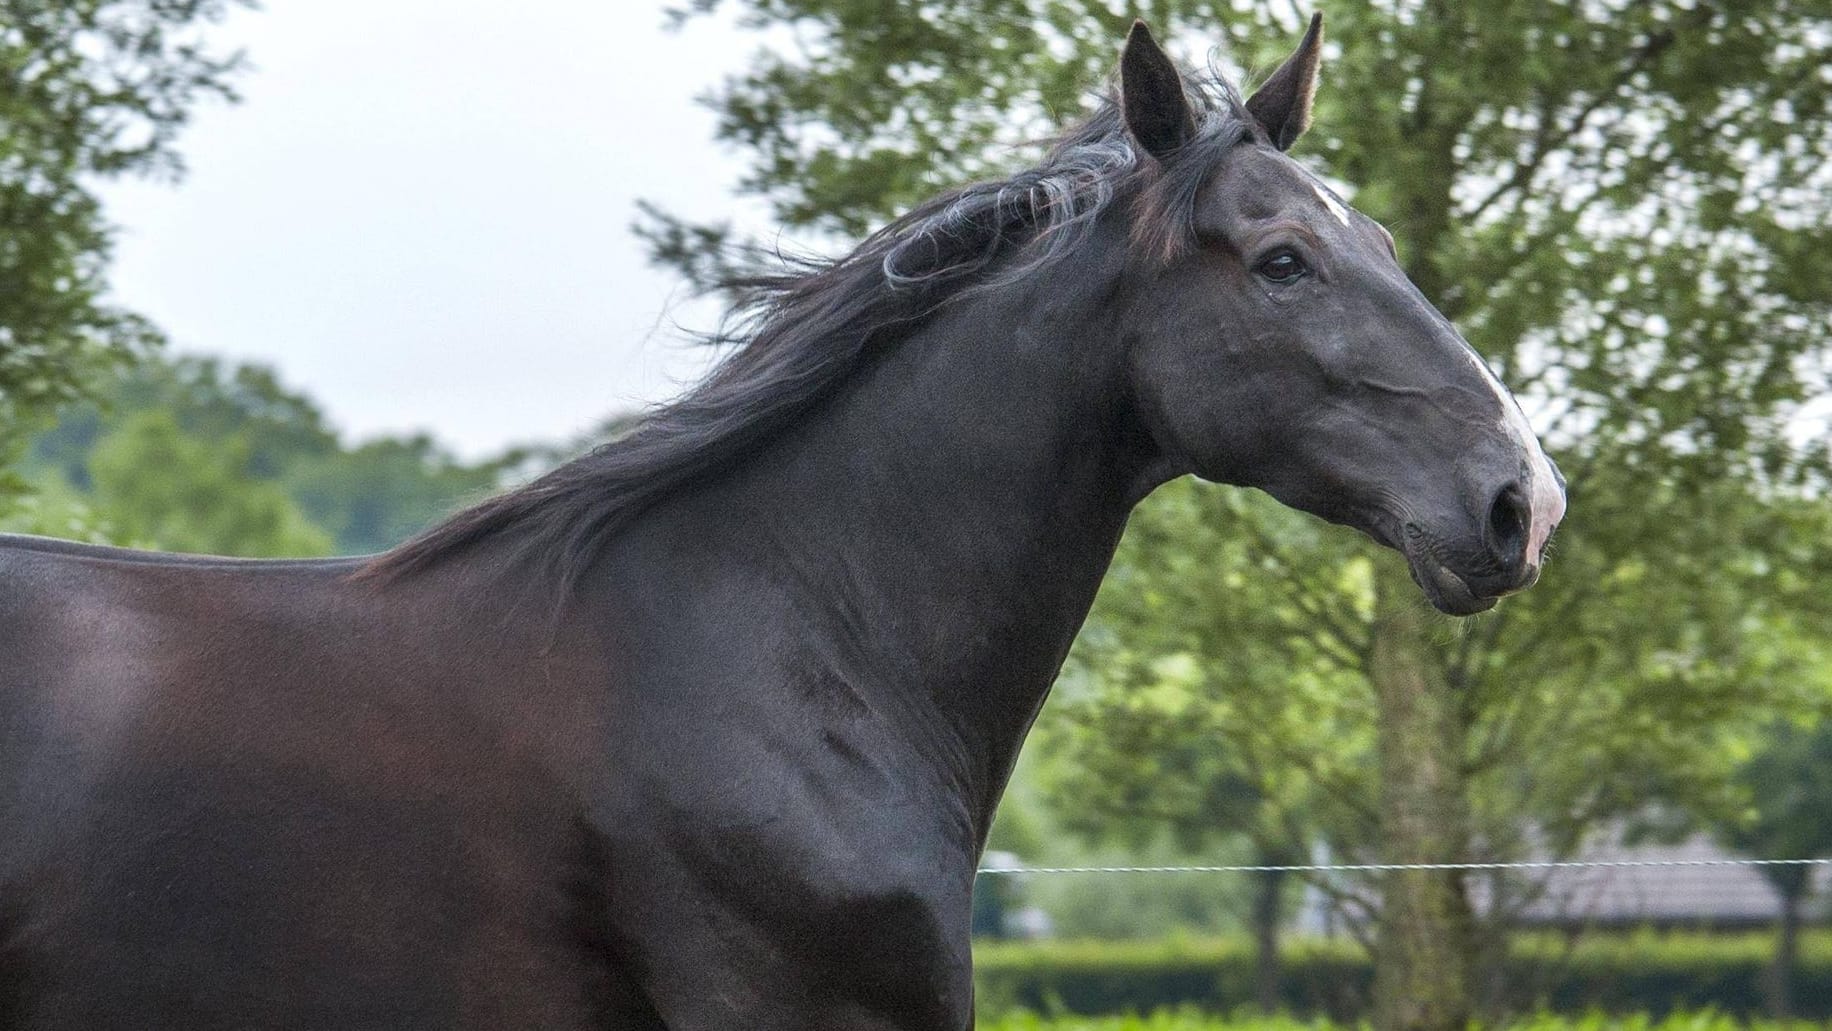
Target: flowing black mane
801 332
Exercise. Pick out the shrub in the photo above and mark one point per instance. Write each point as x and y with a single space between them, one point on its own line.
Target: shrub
1656 974
1193 1020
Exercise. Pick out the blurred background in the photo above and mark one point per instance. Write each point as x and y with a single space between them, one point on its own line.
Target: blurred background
301 279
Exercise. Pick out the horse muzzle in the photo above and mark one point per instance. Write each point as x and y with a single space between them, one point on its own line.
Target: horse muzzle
1454 595
1502 559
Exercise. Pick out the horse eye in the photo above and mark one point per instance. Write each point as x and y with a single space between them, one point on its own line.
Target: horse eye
1282 267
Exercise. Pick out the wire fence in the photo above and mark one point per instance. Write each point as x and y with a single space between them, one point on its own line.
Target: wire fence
1573 864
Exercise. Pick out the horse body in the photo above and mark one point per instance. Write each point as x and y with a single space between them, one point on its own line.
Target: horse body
243 796
730 758
759 749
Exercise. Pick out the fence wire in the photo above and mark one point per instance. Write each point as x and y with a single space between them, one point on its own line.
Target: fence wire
1573 864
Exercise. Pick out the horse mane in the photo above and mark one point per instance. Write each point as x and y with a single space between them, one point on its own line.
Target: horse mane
800 332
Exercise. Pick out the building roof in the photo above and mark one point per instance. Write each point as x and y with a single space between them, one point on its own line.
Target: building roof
1679 894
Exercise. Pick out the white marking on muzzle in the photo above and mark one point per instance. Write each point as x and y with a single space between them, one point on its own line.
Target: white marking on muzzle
1545 501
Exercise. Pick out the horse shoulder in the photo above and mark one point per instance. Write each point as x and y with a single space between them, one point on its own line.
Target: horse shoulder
807 864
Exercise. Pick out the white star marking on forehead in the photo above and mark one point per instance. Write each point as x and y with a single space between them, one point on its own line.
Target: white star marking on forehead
1335 206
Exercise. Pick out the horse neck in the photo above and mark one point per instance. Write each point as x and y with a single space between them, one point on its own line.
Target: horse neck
942 523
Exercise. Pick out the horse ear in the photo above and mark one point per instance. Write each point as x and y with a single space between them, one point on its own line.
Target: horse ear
1151 94
1282 104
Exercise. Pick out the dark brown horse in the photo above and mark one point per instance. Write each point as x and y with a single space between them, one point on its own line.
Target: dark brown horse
704 730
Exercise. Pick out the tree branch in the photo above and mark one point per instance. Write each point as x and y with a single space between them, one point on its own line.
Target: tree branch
1657 43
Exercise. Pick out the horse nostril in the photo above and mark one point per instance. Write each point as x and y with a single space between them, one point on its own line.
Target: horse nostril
1508 518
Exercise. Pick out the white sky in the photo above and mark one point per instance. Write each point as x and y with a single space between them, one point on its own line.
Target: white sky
420 212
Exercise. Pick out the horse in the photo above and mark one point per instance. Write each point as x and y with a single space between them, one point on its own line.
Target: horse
705 729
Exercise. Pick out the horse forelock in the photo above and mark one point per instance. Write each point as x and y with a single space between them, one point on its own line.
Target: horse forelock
800 332
1041 215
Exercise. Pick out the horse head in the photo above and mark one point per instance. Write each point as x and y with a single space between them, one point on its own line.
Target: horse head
1277 343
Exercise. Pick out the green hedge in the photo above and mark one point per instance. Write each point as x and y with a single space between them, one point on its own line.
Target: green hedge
1639 973
1114 977
1190 1020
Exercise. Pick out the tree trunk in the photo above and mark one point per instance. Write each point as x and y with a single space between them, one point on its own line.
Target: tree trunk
1266 938
1779 986
1426 938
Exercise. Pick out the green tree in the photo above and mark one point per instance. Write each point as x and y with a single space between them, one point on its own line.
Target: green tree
89 90
209 399
1192 697
1789 782
1625 207
1230 661
157 486
368 497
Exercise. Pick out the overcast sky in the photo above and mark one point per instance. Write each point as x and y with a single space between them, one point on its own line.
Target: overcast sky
420 211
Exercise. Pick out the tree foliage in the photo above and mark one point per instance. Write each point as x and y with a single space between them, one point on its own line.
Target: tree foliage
89 90
157 486
192 454
1789 784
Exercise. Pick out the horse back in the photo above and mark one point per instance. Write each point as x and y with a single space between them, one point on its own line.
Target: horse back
252 794
107 656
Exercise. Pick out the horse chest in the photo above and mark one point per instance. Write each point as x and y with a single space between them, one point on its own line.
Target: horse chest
788 874
784 924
